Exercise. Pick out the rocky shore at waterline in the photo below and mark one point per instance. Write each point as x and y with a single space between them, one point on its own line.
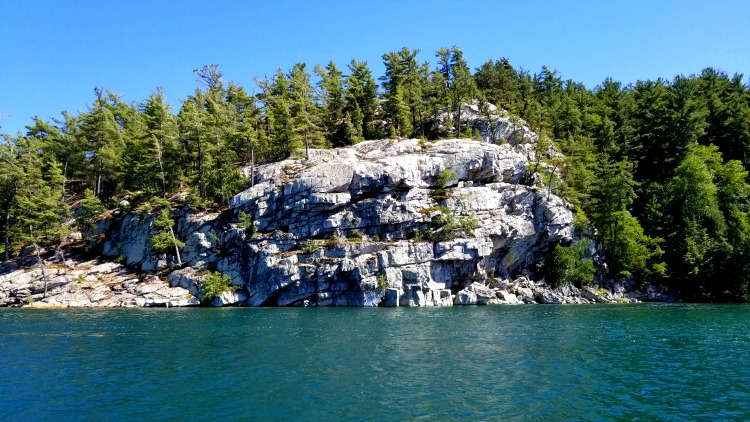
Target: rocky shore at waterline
95 284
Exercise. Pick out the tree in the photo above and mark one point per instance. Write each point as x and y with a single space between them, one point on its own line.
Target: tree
192 132
571 265
498 82
105 145
393 83
160 133
698 232
246 139
330 96
361 98
303 110
165 240
463 87
41 210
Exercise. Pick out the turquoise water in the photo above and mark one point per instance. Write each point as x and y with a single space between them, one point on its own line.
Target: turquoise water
626 362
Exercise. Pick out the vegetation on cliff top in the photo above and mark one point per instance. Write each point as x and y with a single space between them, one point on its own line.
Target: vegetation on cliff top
657 168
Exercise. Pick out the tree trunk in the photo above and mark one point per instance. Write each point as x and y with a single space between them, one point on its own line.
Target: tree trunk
61 255
176 249
161 168
201 189
458 120
64 179
7 220
252 165
41 266
307 153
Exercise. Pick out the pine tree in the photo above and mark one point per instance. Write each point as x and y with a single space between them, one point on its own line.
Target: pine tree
361 99
303 110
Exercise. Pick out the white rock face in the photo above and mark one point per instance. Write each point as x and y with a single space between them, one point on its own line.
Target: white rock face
382 192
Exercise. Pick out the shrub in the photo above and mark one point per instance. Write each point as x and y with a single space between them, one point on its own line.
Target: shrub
245 221
309 247
214 284
332 242
445 176
355 236
448 226
570 266
382 282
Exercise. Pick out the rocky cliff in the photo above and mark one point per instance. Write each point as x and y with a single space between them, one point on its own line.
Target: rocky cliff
393 223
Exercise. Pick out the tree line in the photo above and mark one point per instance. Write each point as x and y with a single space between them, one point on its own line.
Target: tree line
656 170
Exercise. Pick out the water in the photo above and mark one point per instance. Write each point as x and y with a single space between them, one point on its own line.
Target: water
626 362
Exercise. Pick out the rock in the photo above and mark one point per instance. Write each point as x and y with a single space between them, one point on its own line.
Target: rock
545 296
465 297
590 293
392 297
507 298
229 297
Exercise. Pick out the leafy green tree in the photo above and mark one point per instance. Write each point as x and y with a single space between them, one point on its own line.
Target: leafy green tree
699 229
463 87
41 211
571 265
247 139
393 83
91 208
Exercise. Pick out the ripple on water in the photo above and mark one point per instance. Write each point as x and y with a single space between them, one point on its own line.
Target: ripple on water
669 362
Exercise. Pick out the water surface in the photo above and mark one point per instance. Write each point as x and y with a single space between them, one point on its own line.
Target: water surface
626 362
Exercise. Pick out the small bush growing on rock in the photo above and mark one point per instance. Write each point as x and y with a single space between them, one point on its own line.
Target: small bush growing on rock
382 282
445 176
214 284
448 226
355 236
332 242
309 247
245 222
424 235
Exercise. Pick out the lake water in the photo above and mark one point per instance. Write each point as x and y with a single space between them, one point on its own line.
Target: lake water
626 362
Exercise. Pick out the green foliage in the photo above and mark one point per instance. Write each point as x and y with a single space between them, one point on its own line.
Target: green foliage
440 193
309 247
447 226
214 284
91 208
245 222
382 282
332 242
165 241
355 236
570 265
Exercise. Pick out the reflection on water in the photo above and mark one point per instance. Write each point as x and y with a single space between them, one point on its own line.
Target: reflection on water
670 362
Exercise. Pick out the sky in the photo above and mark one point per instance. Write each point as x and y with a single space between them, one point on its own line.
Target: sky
54 53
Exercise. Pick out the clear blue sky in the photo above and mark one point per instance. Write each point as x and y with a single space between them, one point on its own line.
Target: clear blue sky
53 53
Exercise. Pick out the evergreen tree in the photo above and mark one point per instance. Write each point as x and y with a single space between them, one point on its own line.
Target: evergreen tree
105 146
160 136
361 99
303 110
